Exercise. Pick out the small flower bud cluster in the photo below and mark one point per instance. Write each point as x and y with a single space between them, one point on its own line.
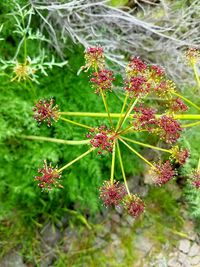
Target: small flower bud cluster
116 194
162 173
23 72
44 111
135 66
176 105
112 193
144 119
169 129
49 177
192 55
102 80
94 57
101 138
137 86
196 179
180 155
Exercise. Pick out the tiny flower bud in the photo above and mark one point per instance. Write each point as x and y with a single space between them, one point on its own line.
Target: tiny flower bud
192 55
94 58
112 193
44 111
49 177
136 66
23 72
133 205
177 104
196 179
137 86
180 155
102 80
162 173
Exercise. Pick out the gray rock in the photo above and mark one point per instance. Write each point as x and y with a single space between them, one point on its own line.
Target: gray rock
184 245
194 250
173 262
143 244
12 259
50 234
182 257
195 260
115 218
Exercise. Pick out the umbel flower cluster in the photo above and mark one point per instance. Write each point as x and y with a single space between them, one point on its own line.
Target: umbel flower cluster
139 113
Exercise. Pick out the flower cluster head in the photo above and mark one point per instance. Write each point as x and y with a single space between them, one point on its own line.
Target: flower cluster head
164 87
162 173
192 55
23 72
133 205
112 193
169 129
180 155
102 80
177 104
144 118
101 138
45 111
136 66
196 178
137 86
94 57
157 72
48 177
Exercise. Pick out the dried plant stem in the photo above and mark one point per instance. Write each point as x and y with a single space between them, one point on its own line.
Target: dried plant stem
122 168
146 145
113 165
76 123
76 159
138 154
55 140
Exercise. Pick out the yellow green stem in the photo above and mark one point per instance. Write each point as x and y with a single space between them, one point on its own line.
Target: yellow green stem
198 167
76 123
55 140
138 154
146 145
113 165
122 110
122 168
76 159
186 100
106 107
190 124
196 74
117 115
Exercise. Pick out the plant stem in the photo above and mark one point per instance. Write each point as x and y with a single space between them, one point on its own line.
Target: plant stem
186 100
117 115
190 124
196 74
146 145
106 107
138 154
76 159
122 168
75 123
122 110
113 165
198 167
55 140
130 108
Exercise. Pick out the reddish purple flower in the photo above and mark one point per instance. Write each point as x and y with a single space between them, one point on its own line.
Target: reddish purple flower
135 67
196 178
177 104
49 177
164 87
169 129
157 72
102 80
162 173
112 193
180 155
94 57
137 86
145 118
133 205
44 111
101 138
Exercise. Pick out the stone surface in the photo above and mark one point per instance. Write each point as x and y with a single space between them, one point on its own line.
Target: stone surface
173 262
194 250
184 245
12 259
143 244
195 260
